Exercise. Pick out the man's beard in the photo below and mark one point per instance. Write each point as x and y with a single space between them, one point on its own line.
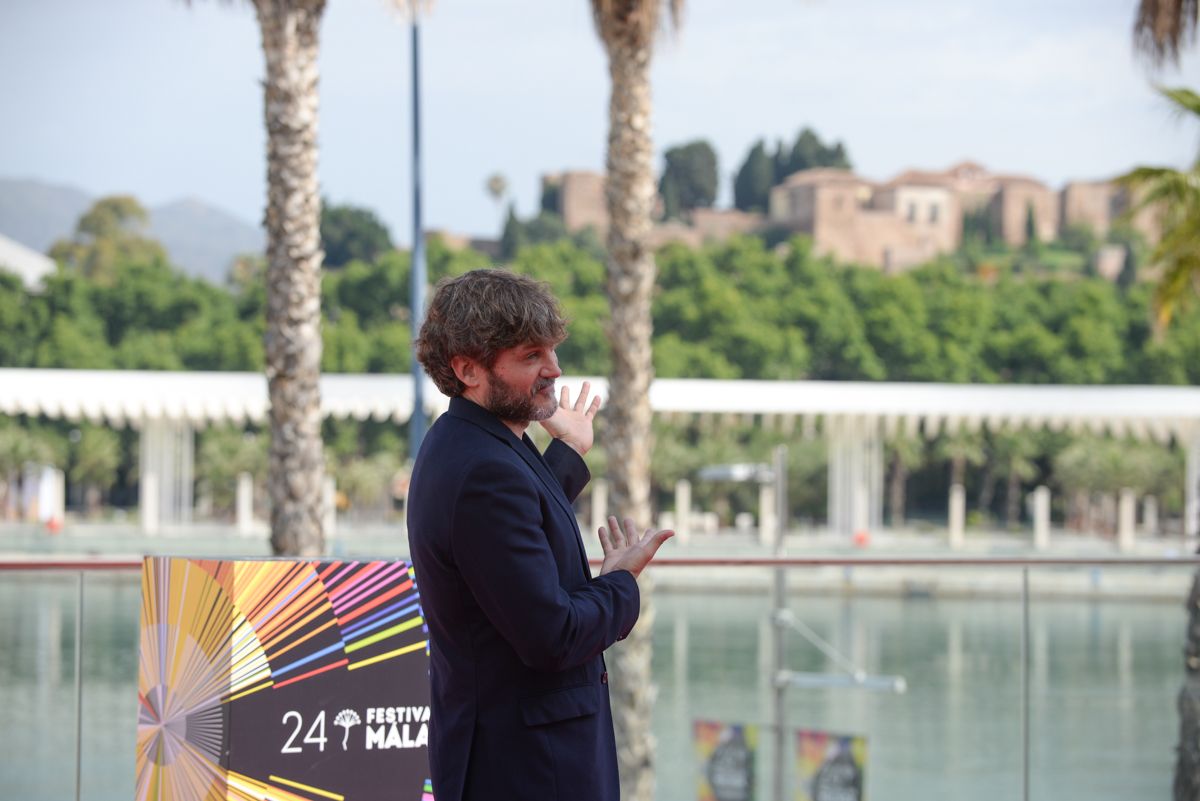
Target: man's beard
509 404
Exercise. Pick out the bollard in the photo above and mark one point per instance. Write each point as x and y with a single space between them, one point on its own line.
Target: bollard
767 525
1041 518
958 515
245 504
683 511
329 506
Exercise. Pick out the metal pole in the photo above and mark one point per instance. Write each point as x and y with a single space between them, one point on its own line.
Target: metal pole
1025 683
779 605
417 423
79 688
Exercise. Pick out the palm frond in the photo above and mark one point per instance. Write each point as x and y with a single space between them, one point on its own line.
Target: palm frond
634 22
1162 27
1186 101
1178 253
1179 282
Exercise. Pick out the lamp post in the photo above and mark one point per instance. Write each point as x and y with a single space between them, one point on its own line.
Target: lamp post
417 424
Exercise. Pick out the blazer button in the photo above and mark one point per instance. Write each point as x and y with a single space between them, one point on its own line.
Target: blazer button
604 677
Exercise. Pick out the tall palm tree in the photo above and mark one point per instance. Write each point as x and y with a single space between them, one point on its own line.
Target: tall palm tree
907 452
628 29
1160 29
292 340
1175 194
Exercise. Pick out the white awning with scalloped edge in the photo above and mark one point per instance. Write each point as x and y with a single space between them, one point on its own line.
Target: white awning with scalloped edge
122 397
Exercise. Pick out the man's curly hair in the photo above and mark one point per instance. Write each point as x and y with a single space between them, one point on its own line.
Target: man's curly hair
481 313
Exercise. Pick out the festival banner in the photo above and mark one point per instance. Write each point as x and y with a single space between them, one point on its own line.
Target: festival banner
282 680
725 753
830 767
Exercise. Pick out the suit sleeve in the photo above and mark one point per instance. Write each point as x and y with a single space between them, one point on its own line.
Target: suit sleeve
568 467
500 546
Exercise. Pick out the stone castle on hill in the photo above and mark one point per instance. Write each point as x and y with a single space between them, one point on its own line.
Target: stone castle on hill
893 225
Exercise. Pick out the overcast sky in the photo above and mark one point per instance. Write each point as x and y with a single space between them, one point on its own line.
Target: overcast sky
163 100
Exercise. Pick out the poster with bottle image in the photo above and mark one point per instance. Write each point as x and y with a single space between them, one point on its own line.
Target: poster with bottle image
725 755
830 767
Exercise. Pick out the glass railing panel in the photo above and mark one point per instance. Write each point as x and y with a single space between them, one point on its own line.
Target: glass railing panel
1104 656
37 684
38 741
1105 668
955 732
112 604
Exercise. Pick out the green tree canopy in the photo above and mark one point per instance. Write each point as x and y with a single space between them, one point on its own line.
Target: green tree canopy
109 235
351 232
808 152
754 179
689 179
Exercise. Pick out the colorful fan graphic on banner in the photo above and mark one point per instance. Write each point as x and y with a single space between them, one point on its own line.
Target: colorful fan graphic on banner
279 679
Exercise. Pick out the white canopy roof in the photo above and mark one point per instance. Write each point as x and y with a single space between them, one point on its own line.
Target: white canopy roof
131 396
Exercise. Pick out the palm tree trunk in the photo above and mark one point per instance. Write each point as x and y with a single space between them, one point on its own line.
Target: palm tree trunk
958 470
631 271
987 490
1012 500
896 490
293 337
1187 764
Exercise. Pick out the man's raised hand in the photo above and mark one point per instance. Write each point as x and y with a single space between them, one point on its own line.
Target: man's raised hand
573 424
627 550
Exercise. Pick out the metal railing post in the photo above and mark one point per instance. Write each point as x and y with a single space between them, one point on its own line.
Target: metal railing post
779 604
79 687
1025 683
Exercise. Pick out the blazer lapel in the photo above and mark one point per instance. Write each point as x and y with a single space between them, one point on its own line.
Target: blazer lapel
461 407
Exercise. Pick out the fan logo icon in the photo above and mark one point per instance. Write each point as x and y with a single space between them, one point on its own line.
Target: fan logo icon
346 718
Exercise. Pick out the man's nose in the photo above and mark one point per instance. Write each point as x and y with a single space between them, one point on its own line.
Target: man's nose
550 369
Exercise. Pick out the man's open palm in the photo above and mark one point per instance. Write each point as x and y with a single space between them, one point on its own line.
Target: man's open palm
628 550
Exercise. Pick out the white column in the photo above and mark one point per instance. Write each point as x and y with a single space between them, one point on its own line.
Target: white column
184 492
1126 515
1191 493
165 466
837 510
874 476
599 505
1150 516
1041 518
245 503
683 510
958 515
766 515
856 482
149 475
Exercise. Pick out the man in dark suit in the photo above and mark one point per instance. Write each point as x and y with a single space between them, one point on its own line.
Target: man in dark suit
517 622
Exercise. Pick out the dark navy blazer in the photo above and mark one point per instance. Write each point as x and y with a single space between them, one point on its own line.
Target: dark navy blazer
517 623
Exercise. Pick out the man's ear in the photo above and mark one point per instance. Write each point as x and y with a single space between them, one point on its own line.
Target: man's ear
468 370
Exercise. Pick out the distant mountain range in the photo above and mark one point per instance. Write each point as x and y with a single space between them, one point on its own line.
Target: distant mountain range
201 240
